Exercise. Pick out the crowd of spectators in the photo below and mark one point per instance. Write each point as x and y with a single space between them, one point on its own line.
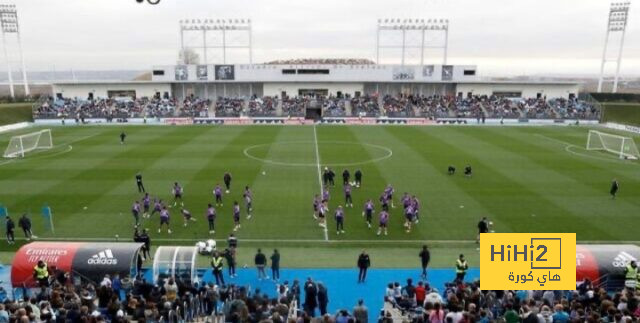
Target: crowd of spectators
466 302
263 107
195 107
400 106
365 106
295 106
124 300
105 108
574 108
229 107
333 107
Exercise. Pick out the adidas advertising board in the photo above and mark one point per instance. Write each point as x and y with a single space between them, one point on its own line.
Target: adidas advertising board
90 260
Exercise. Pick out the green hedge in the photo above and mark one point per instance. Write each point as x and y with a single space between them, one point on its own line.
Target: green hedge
15 112
622 113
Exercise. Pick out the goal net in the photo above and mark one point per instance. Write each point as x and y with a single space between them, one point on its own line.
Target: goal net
19 145
624 147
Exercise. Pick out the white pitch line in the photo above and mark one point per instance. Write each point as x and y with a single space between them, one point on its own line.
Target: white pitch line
315 141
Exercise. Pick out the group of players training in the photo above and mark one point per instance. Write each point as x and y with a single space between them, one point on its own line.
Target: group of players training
410 203
143 209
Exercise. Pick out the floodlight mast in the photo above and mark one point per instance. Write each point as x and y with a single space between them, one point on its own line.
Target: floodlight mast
9 24
398 25
616 23
223 26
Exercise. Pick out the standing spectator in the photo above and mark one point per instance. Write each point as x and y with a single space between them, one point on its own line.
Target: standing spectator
217 264
10 226
560 315
425 257
323 298
232 241
230 255
310 297
461 268
360 312
25 224
261 261
171 289
437 314
421 293
364 262
275 265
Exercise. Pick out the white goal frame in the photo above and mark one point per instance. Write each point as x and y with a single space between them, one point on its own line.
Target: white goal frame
19 145
623 147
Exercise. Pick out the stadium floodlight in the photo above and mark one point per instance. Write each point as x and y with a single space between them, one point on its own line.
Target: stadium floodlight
222 26
617 23
402 26
10 25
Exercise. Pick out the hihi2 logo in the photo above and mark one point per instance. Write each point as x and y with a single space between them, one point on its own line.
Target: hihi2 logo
531 261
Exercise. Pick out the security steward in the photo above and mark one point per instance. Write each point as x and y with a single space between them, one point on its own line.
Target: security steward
41 274
217 264
461 268
631 275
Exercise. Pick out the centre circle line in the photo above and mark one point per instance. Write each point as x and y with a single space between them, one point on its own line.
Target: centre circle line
389 154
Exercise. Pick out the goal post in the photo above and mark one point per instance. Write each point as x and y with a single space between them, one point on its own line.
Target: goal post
20 145
623 147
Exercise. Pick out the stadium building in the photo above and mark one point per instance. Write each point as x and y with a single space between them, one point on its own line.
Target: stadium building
328 79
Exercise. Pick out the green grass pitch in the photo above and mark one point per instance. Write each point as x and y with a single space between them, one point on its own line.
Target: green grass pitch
526 179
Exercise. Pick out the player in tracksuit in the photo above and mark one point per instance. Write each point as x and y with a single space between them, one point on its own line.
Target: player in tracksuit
368 212
217 192
348 201
157 207
177 194
146 204
416 209
248 200
164 219
236 215
135 211
187 216
316 206
211 218
383 221
339 220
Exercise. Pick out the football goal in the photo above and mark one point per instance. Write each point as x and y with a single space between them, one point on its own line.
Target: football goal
622 146
19 145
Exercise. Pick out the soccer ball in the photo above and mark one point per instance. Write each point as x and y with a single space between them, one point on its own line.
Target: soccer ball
244 266
264 173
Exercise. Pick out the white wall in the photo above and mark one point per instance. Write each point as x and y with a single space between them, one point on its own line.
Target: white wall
272 89
337 73
99 90
528 90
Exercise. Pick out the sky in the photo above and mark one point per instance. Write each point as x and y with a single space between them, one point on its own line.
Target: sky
501 37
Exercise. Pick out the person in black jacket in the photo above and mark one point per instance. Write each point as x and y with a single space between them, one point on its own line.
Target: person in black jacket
364 262
139 183
229 255
323 298
425 257
261 261
358 177
275 265
332 175
25 225
10 225
310 297
346 176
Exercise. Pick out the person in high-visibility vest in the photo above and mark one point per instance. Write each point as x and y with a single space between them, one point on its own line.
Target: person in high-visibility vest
631 275
41 273
461 268
217 264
